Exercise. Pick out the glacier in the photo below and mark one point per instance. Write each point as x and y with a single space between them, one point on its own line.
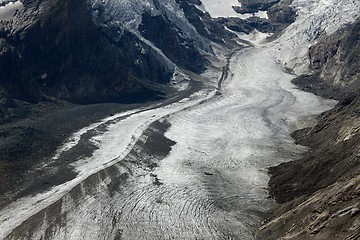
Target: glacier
214 180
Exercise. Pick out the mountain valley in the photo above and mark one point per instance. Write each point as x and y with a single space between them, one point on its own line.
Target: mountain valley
179 119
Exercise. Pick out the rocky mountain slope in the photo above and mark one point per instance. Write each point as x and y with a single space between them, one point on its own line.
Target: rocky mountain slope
57 49
320 193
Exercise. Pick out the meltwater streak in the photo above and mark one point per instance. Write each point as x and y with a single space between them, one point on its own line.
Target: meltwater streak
213 183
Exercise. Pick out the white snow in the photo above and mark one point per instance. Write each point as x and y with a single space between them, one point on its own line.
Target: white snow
224 8
262 14
8 11
256 38
220 8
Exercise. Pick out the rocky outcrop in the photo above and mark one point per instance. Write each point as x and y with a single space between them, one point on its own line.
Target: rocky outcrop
336 58
279 12
330 213
253 6
335 65
6 106
320 193
174 46
208 27
280 15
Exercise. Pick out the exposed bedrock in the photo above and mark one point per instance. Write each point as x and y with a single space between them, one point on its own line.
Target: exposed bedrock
177 48
280 15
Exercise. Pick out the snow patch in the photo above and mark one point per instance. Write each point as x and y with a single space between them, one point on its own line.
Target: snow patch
256 38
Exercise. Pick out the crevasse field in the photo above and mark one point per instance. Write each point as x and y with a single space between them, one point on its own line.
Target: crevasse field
212 184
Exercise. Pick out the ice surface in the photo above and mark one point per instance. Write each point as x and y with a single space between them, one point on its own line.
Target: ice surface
224 8
235 137
219 8
113 145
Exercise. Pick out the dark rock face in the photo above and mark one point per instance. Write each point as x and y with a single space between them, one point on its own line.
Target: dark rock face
335 62
336 58
248 25
175 47
54 49
334 141
212 29
252 6
320 193
279 12
6 105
